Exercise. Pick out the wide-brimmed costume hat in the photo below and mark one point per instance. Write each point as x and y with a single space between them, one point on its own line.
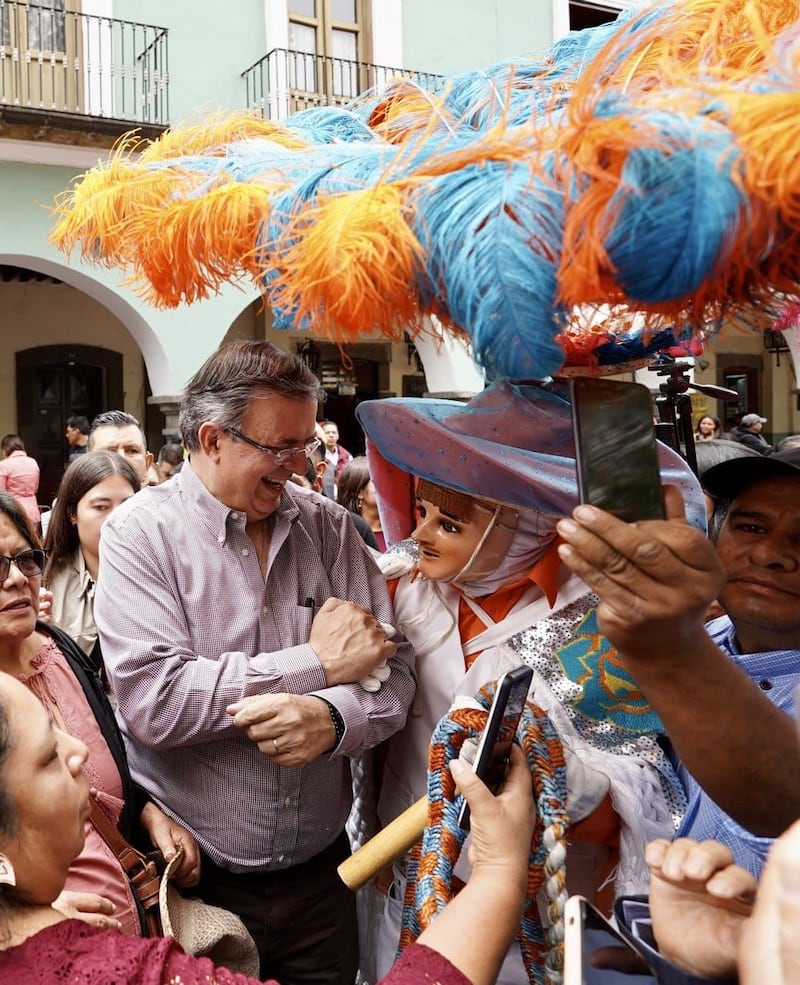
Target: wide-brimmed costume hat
728 479
511 443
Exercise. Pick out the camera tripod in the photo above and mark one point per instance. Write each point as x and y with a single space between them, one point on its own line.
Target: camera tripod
674 406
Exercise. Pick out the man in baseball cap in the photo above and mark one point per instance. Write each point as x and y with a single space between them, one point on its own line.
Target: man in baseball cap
724 689
748 433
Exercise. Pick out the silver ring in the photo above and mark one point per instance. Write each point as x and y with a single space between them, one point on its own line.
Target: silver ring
275 743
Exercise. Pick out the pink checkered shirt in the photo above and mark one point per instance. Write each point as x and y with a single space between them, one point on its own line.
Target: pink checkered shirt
187 627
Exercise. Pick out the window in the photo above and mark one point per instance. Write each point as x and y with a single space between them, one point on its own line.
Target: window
46 27
327 39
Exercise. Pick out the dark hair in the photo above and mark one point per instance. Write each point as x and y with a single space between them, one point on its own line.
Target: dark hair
82 475
115 419
79 422
221 390
12 442
172 453
11 508
716 420
354 477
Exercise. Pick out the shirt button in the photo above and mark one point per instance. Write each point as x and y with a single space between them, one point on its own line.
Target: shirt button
220 540
245 552
765 685
280 858
234 516
287 802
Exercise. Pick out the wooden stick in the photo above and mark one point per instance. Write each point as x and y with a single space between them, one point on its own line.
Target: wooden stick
390 843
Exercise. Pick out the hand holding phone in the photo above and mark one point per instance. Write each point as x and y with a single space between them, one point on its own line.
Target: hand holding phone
615 448
498 734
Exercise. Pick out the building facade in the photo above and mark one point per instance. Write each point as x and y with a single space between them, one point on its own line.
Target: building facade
76 74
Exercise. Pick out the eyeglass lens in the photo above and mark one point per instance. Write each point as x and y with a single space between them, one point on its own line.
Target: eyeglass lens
30 563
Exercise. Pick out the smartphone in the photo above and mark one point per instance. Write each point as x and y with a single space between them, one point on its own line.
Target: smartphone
615 448
587 932
494 748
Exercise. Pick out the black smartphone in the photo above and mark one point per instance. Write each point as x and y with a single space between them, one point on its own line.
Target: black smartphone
494 747
615 448
589 941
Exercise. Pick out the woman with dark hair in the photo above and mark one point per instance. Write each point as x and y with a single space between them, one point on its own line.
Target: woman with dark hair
60 675
356 492
709 428
44 805
19 475
91 489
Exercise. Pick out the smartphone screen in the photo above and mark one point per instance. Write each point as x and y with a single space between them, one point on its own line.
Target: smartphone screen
589 937
615 448
494 748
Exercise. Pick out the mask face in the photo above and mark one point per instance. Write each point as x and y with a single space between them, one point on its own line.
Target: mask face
449 532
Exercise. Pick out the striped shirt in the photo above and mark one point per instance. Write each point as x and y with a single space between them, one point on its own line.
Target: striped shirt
187 626
777 673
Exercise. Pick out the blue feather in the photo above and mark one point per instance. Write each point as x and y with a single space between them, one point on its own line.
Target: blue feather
492 240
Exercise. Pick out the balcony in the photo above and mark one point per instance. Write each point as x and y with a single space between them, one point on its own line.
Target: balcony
284 82
70 71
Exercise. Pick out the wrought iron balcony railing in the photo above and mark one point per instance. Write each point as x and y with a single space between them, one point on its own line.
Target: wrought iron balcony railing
284 81
63 61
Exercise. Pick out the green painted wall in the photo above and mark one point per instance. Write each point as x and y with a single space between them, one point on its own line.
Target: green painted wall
210 45
449 36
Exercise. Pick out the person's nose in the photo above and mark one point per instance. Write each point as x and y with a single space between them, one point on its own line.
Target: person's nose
15 576
75 752
776 552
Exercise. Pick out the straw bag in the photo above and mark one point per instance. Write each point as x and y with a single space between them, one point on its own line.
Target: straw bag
204 930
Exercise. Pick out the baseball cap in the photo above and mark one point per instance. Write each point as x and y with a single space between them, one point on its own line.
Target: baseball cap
749 419
728 479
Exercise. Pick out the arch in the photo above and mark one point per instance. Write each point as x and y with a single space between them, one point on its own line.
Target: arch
149 344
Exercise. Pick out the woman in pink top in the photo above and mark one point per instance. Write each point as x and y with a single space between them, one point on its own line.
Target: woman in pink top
19 475
57 671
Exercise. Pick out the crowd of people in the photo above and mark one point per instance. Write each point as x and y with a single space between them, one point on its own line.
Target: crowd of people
203 645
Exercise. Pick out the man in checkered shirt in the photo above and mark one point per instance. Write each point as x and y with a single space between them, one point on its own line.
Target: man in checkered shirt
237 617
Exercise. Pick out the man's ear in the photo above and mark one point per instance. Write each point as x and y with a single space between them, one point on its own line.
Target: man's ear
148 459
209 435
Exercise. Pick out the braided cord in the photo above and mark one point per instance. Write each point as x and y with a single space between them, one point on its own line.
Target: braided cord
429 885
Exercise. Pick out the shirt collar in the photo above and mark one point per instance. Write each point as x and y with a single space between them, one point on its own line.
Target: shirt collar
214 513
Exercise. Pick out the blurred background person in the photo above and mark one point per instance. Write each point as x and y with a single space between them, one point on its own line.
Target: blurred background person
356 492
120 432
708 428
336 455
92 488
19 475
313 479
169 460
77 434
748 432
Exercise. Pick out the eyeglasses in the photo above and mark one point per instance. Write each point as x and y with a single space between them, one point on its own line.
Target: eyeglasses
30 563
280 456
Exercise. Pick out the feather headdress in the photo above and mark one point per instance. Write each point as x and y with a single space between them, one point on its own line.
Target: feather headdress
647 165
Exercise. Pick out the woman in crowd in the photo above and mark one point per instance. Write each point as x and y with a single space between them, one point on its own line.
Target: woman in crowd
44 805
59 674
91 489
708 428
356 492
19 475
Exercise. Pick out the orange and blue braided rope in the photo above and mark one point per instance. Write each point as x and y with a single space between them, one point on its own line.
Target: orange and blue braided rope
429 884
